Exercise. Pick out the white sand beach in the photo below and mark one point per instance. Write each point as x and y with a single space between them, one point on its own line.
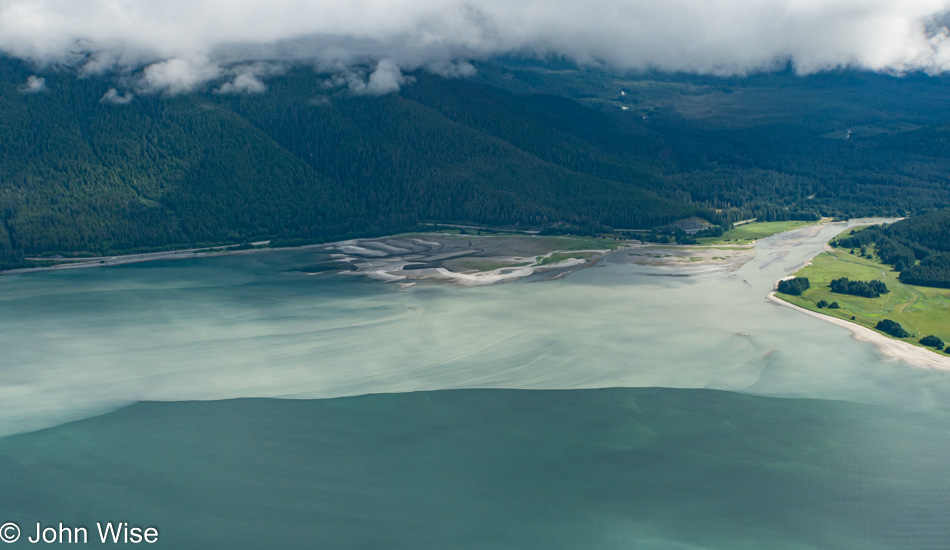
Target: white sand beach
890 347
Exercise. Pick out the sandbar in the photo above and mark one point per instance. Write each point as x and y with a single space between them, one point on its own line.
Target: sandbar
896 349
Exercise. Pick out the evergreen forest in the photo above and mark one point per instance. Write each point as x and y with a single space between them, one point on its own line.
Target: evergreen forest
511 147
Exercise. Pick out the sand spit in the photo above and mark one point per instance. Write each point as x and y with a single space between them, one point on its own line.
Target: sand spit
890 347
461 260
470 260
105 261
467 260
689 258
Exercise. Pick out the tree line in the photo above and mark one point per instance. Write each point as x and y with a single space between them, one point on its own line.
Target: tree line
918 247
866 289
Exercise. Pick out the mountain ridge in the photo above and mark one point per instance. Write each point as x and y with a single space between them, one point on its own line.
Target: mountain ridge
301 163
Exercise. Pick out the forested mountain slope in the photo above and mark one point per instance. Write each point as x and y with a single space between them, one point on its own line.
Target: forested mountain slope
843 142
514 146
78 174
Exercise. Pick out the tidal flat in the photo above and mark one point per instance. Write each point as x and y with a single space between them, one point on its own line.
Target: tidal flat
738 423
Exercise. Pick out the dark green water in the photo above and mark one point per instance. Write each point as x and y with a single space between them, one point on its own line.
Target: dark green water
743 425
614 468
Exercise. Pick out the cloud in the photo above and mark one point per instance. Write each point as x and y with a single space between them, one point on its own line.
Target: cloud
177 76
448 69
385 78
184 45
34 85
242 83
113 97
247 78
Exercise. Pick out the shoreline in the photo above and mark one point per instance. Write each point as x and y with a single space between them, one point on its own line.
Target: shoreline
261 246
228 250
122 259
676 256
352 251
893 348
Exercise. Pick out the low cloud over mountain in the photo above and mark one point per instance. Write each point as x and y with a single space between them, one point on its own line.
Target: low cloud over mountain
175 46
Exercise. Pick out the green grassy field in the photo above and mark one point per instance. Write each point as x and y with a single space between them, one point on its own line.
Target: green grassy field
749 232
571 242
561 256
541 242
920 310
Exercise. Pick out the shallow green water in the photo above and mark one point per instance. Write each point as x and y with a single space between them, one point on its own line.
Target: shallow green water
616 468
86 341
813 440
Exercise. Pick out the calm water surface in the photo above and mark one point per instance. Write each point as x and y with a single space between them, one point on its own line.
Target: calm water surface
813 440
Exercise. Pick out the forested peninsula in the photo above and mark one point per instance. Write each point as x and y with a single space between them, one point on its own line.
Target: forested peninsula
918 247
872 277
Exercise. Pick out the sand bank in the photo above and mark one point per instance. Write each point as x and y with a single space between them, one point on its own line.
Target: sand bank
896 349
465 260
690 259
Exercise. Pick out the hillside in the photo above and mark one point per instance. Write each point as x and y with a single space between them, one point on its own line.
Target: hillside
517 145
842 143
81 175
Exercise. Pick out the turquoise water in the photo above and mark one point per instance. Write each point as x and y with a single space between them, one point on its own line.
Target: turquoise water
617 468
741 424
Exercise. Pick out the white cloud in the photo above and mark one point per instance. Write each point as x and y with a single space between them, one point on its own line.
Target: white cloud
113 97
34 85
385 78
185 44
449 69
178 76
244 83
246 79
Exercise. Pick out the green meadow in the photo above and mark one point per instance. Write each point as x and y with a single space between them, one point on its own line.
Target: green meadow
749 232
920 310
